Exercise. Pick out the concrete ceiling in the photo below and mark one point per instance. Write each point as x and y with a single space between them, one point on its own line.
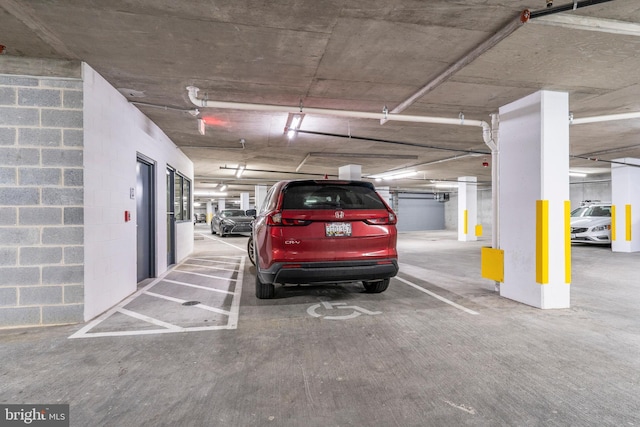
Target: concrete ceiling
357 55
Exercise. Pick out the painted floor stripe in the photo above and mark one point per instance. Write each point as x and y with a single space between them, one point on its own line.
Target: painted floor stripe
217 261
421 289
232 313
210 267
243 249
149 319
181 301
191 285
205 275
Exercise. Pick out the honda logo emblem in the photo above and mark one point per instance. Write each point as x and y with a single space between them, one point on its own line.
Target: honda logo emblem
339 214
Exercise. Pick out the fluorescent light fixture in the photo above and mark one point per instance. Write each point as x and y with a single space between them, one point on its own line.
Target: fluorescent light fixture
209 194
577 174
446 185
293 124
223 187
389 176
201 124
197 204
240 170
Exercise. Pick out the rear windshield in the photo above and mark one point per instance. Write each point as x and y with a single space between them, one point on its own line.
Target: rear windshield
592 211
313 196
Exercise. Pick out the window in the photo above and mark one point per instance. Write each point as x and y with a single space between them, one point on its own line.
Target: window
181 198
320 196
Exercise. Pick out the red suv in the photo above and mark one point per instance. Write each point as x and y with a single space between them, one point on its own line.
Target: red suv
324 231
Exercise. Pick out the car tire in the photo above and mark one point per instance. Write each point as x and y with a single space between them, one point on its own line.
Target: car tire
264 290
212 230
377 286
250 251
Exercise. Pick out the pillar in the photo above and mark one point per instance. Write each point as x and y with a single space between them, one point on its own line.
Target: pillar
209 212
221 204
244 201
625 202
534 200
350 172
467 208
261 194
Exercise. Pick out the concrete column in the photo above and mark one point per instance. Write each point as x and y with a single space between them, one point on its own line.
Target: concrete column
261 194
625 201
534 200
467 208
221 204
244 201
209 211
350 172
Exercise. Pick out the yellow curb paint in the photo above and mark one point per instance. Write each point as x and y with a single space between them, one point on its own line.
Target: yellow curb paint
567 242
613 223
542 241
628 222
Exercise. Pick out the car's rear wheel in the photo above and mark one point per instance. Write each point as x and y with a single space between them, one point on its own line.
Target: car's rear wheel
252 255
377 286
212 230
264 290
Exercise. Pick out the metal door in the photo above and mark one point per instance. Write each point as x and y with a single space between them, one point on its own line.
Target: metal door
145 219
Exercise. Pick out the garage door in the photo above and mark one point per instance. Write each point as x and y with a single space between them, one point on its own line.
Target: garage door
419 212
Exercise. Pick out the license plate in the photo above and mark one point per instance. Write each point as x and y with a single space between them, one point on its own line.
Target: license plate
338 229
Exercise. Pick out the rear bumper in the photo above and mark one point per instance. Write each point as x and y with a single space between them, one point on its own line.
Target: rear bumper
331 272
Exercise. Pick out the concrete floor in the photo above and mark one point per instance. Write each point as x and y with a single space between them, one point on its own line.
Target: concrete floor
438 348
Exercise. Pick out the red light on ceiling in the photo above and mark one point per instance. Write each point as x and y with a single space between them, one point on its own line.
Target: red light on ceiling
214 121
3 49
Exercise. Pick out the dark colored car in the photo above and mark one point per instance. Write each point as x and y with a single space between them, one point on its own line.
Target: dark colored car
230 221
324 232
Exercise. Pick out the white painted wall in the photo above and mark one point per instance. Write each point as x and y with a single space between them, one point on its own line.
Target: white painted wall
114 132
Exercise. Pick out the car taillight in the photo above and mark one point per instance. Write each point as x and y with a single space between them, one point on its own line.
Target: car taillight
288 221
274 219
388 220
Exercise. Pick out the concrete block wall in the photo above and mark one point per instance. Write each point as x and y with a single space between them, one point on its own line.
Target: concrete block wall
41 201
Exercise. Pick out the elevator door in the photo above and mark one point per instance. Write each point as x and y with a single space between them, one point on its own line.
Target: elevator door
145 220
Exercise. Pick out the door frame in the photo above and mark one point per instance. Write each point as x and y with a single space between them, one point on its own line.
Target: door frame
152 213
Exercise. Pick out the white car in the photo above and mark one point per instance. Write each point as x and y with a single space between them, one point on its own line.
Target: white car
591 223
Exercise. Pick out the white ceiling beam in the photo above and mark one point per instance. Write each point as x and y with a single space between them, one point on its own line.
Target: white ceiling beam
587 23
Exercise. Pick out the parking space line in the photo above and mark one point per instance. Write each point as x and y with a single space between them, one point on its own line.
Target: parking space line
148 319
217 261
205 275
428 292
182 301
243 249
232 313
191 285
211 267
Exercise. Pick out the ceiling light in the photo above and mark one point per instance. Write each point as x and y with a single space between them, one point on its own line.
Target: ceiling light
389 176
223 187
210 193
240 170
293 124
201 124
577 174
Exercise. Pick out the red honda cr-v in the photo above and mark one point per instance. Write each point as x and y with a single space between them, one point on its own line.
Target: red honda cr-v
324 232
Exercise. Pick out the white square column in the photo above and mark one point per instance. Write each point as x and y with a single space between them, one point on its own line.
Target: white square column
261 194
625 202
534 200
244 201
467 208
221 204
350 172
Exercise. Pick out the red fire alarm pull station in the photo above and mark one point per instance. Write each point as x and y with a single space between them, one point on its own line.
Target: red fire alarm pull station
127 216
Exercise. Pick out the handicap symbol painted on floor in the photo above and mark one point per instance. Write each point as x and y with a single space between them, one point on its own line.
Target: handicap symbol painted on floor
355 310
